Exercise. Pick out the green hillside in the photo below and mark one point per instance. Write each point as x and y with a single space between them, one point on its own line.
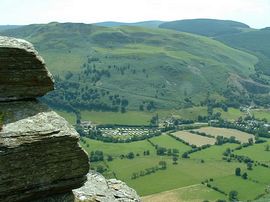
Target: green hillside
206 27
120 68
256 41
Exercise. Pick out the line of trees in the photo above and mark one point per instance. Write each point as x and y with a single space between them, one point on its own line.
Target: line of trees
162 165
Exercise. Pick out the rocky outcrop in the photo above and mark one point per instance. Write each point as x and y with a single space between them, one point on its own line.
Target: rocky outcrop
39 153
22 71
97 188
40 158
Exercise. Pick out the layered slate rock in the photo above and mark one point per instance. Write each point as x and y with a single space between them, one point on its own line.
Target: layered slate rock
23 73
97 188
39 153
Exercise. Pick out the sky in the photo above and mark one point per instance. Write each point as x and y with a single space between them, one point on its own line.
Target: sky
255 13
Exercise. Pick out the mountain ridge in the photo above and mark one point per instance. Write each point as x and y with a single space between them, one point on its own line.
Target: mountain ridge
152 67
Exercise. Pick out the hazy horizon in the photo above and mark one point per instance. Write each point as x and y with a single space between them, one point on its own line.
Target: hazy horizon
128 22
22 12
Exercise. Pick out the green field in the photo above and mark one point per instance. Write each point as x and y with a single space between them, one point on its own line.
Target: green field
133 117
144 117
246 189
256 152
231 115
192 113
170 143
214 153
265 198
188 172
259 174
116 149
261 114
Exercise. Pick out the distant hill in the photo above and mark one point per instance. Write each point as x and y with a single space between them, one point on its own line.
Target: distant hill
206 27
113 68
256 42
5 27
149 24
234 34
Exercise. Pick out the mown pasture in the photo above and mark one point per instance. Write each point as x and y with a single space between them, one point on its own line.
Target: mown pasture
194 139
226 132
194 193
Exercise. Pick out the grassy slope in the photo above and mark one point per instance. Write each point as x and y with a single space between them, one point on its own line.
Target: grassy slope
256 42
170 59
234 34
206 27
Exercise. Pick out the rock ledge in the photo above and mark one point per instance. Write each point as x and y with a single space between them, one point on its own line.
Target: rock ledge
23 73
97 188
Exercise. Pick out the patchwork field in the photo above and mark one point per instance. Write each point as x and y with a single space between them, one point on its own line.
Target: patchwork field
225 132
185 173
194 139
177 181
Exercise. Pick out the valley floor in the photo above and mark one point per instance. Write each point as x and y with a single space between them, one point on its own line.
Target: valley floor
206 174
